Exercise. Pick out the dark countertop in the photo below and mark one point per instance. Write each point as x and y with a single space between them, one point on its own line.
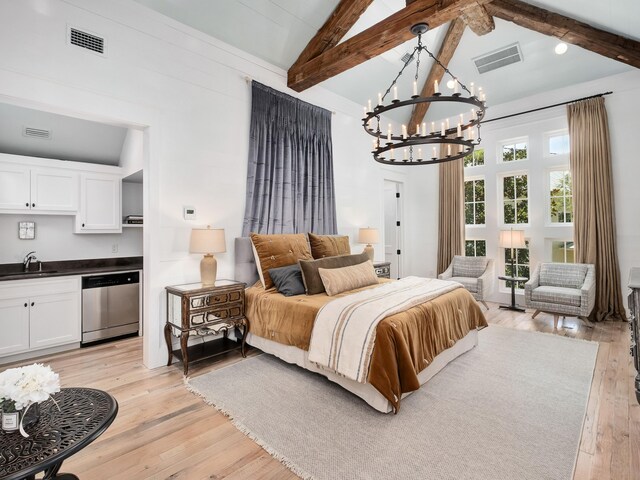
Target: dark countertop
15 271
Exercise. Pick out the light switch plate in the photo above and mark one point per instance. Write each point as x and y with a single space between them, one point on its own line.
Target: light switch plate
189 213
26 230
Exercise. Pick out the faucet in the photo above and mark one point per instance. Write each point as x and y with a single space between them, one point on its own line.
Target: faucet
28 258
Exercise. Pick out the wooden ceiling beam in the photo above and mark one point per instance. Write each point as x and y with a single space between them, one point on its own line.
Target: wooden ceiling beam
478 20
383 36
345 15
447 49
567 29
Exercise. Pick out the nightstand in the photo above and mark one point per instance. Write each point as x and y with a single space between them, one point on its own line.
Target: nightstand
383 269
201 310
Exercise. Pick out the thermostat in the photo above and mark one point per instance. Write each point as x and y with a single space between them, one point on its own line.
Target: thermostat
189 213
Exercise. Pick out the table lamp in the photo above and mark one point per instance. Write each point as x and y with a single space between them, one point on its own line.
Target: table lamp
512 239
208 241
368 236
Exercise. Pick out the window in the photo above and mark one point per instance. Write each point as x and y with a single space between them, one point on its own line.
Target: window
475 248
560 197
520 264
474 207
515 195
514 151
562 252
475 158
558 144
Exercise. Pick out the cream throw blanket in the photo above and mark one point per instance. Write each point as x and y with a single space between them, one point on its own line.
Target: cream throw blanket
344 332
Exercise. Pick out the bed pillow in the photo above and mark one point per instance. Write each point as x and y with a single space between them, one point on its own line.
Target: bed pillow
338 280
278 250
311 277
329 245
288 280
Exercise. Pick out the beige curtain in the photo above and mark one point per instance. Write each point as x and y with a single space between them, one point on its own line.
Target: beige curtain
594 215
451 212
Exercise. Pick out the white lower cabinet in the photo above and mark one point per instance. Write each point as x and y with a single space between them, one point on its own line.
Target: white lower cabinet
40 313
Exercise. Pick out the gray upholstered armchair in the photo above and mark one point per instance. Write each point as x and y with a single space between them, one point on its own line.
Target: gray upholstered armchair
562 289
474 273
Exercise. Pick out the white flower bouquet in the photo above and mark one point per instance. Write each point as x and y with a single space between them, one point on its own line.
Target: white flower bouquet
23 386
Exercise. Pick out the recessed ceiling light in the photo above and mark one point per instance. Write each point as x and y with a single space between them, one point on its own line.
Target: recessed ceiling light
561 48
451 84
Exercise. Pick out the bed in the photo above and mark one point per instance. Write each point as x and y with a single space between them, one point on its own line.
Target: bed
410 347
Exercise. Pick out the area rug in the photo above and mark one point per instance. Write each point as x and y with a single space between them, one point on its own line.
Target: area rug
511 408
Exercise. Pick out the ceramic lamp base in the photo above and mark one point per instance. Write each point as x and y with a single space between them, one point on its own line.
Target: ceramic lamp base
208 269
369 251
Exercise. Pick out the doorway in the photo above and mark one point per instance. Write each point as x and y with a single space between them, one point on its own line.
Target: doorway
393 226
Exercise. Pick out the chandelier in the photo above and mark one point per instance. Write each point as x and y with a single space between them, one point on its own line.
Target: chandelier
436 142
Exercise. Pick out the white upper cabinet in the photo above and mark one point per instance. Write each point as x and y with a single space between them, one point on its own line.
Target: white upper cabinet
100 203
38 189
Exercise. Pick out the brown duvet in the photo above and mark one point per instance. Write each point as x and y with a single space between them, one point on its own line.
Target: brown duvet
406 342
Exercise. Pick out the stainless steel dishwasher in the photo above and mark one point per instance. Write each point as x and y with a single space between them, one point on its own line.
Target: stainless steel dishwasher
110 305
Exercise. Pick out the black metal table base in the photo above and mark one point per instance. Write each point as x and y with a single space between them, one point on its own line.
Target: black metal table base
515 308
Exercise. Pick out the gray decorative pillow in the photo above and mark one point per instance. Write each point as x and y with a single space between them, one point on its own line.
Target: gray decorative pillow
288 280
311 277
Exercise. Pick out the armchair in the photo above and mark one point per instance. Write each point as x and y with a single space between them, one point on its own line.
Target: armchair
562 289
474 273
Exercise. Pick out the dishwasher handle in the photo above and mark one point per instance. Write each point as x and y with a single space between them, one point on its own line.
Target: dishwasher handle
109 280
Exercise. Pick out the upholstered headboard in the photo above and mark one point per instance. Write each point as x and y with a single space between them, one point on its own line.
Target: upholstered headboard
245 264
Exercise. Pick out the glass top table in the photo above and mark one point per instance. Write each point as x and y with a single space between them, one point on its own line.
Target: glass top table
84 414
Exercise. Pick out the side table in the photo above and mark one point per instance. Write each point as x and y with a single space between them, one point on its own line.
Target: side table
513 281
84 414
195 309
383 269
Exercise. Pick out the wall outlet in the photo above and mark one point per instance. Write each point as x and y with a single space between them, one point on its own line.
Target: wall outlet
114 248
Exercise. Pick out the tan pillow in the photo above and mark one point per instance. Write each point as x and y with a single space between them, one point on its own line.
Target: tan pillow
338 280
311 277
329 245
280 250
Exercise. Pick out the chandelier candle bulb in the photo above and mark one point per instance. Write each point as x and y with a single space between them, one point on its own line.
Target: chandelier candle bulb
365 111
395 93
449 150
461 119
448 125
389 134
419 153
442 129
424 129
369 105
417 129
436 90
391 153
415 88
459 132
433 127
473 90
405 154
379 99
404 132
434 153
455 86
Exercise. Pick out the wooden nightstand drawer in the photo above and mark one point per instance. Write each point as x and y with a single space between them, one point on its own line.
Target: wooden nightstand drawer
211 316
210 300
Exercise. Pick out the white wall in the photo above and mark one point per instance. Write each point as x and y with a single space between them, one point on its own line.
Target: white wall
188 92
622 107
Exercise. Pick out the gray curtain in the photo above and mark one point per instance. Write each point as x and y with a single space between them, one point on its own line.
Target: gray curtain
593 211
290 172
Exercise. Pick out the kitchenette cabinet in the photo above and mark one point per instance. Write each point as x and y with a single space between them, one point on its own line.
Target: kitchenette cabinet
39 313
100 203
38 189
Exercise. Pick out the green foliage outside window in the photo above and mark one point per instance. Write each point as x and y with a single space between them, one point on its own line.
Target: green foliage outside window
515 151
474 159
515 199
520 266
474 206
475 248
561 197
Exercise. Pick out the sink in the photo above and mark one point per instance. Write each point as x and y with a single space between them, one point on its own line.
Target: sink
29 274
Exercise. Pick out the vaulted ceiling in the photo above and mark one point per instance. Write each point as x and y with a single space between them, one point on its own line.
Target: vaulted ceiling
278 31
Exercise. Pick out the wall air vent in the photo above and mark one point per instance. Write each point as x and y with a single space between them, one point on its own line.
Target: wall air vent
405 58
86 40
498 59
36 133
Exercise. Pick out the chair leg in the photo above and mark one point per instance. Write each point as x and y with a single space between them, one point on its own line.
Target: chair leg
535 313
555 321
485 304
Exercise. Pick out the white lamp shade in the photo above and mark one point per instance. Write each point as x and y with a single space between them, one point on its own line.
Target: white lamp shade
368 235
512 239
207 240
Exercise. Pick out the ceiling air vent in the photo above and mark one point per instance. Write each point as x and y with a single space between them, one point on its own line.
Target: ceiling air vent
406 57
36 133
498 59
86 40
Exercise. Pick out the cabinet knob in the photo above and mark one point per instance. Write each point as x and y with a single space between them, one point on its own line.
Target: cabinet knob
33 303
26 305
83 224
26 204
33 204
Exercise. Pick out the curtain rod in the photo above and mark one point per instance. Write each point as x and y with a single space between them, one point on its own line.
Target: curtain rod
548 106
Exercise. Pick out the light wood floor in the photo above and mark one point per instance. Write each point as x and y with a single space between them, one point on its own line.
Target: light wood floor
163 431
